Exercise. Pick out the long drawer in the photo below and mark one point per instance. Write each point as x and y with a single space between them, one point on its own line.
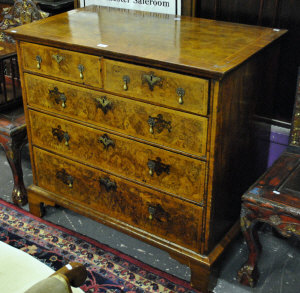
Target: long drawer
162 215
159 168
72 66
173 129
157 86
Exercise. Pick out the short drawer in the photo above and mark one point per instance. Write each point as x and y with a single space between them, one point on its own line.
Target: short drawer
68 65
164 216
157 86
169 128
165 170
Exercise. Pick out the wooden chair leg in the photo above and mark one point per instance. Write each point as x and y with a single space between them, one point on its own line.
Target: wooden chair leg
248 274
12 147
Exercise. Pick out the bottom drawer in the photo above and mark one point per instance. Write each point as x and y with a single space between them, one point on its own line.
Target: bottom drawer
154 212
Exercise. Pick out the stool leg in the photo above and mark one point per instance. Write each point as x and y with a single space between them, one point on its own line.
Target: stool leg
248 274
12 147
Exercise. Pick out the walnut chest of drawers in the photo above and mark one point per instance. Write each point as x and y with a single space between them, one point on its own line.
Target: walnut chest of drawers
142 122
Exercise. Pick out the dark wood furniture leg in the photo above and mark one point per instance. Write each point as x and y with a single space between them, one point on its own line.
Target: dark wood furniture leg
248 274
12 147
13 136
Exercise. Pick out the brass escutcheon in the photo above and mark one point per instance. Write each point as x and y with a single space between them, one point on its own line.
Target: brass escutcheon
106 141
108 184
103 103
152 80
58 58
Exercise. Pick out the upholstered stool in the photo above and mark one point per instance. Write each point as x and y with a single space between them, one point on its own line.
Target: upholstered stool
273 199
21 272
13 136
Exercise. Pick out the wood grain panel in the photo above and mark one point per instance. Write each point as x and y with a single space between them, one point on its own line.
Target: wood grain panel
67 68
195 95
184 177
173 219
197 46
184 132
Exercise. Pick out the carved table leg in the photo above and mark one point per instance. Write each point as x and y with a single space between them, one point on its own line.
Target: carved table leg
248 274
12 147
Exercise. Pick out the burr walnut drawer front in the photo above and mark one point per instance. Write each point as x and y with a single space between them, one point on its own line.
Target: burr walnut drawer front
162 215
68 65
169 128
153 166
157 86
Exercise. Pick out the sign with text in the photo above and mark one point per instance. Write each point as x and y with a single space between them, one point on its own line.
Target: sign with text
158 6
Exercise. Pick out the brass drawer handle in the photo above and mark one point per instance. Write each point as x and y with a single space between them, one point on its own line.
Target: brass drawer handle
81 69
65 177
106 141
151 211
158 213
180 92
126 80
159 123
158 167
152 80
61 135
103 103
39 61
58 58
58 96
108 184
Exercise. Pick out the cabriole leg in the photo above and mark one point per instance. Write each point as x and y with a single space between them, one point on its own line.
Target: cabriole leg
248 274
12 147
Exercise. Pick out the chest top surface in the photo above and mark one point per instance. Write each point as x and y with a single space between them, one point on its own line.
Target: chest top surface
191 44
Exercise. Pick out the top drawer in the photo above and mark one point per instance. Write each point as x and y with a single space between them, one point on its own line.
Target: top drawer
160 87
68 65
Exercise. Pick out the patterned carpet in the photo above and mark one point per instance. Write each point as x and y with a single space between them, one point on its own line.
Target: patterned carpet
108 270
